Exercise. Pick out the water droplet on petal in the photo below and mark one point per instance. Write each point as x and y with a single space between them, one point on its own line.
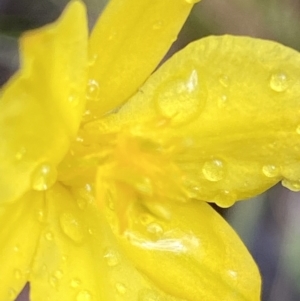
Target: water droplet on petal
225 199
292 185
73 100
84 296
12 294
93 90
181 100
155 228
192 1
58 274
20 154
222 101
75 283
40 215
158 25
18 274
148 295
271 171
44 177
279 82
111 257
213 170
121 288
49 236
71 227
53 281
224 80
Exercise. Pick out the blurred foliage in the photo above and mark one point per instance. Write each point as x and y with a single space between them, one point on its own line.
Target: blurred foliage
269 224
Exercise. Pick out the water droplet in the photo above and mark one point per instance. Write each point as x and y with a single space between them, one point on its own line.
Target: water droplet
20 154
181 100
213 170
12 294
279 82
75 283
155 228
18 274
271 171
192 1
222 101
53 281
71 227
49 236
44 177
158 25
292 185
40 215
233 274
82 203
16 249
58 274
121 288
84 296
224 80
93 90
148 295
298 130
111 257
91 231
225 199
73 99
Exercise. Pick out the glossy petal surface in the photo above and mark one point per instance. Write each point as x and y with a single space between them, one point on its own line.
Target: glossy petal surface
193 255
224 112
78 257
19 233
41 105
126 45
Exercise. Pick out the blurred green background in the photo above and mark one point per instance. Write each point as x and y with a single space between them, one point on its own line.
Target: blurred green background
269 224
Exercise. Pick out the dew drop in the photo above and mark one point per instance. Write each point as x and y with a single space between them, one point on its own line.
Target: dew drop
20 154
49 236
157 25
148 295
93 90
225 199
279 82
270 171
40 215
155 228
73 99
53 281
192 1
111 257
71 227
121 288
213 170
44 177
84 296
75 283
12 294
188 96
222 101
18 274
290 184
58 274
224 80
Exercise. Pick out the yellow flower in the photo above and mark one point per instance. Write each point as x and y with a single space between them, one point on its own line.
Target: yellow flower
104 201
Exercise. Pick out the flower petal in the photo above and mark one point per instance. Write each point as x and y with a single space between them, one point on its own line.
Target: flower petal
42 104
193 254
20 229
226 113
126 45
78 257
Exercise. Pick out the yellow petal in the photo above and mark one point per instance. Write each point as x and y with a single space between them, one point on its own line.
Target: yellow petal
193 254
19 234
126 45
78 257
225 114
41 106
